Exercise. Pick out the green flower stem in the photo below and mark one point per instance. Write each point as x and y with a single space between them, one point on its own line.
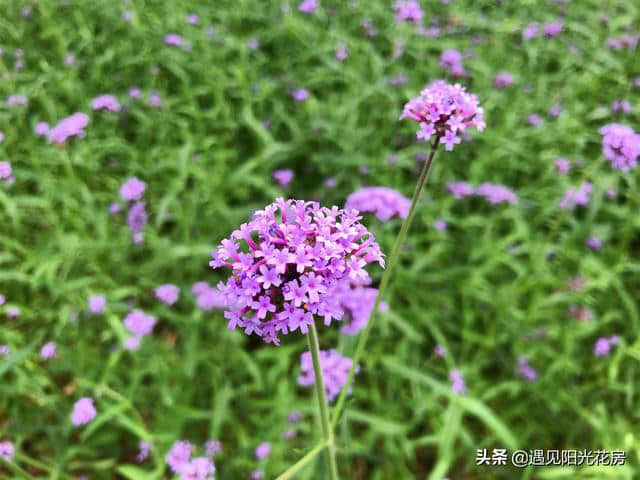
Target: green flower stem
385 281
323 406
300 464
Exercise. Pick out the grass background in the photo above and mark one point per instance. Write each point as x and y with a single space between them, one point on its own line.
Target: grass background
480 289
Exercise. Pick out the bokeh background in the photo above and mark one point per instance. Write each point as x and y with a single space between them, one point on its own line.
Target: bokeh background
220 109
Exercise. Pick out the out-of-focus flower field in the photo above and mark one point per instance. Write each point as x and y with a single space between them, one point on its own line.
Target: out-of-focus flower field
136 136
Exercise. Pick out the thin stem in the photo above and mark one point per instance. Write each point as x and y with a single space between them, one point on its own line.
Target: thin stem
385 281
296 467
323 406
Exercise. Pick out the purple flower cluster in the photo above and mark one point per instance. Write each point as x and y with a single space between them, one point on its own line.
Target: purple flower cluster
383 201
457 382
167 293
525 370
132 191
96 304
308 6
451 60
627 41
207 297
106 102
408 11
494 194
139 325
72 126
284 177
503 80
603 345
41 129
13 100
562 165
342 53
7 450
595 243
173 39
583 314
621 106
198 468
144 451
83 411
212 447
262 451
48 351
295 254
576 196
620 145
6 172
335 370
357 303
446 111
179 454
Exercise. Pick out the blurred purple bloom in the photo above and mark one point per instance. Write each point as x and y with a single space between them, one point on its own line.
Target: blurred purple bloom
193 19
530 31
132 189
144 450
503 80
13 100
83 411
335 370
408 11
41 129
460 189
603 345
72 126
621 105
299 94
179 454
294 417
342 53
13 312
69 59
96 304
135 92
400 79
451 60
553 29
574 197
284 177
594 243
457 382
114 208
199 468
525 370
256 474
167 293
534 120
7 450
173 39
4 350
212 447
48 351
106 102
562 165
383 201
624 41
155 100
440 225
439 351
620 145
308 6
262 451
496 194
556 110
5 171
139 323
253 44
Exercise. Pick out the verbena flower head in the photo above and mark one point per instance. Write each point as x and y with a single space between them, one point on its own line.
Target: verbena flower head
525 370
300 94
357 303
294 254
620 145
41 129
106 102
256 474
167 293
5 170
96 304
460 189
132 189
179 454
262 451
496 194
139 323
308 6
284 177
335 370
72 126
574 197
603 345
562 165
7 451
342 53
83 411
137 220
445 111
383 201
530 31
144 450
595 243
408 11
173 39
13 100
451 60
627 41
503 80
48 350
155 100
212 447
199 468
553 29
621 106
5 350
457 382
208 298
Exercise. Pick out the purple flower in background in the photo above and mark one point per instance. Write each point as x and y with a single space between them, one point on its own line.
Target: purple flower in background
173 39
308 6
155 100
457 382
294 417
446 111
48 351
7 451
13 312
114 208
135 92
496 194
83 411
574 197
636 81
530 31
562 165
132 189
253 44
460 189
553 29
144 450
440 225
534 120
621 105
594 243
603 345
356 301
299 94
624 41
256 474
199 468
1 137
2 300
5 350
262 451
335 370
451 60
106 102
167 293
5 171
408 11
132 343
439 351
503 80
139 323
72 126
13 100
525 370
137 220
193 19
96 304
284 177
69 59
383 201
208 298
400 79
583 314
620 145
179 454
301 250
556 110
342 53
213 447
41 129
